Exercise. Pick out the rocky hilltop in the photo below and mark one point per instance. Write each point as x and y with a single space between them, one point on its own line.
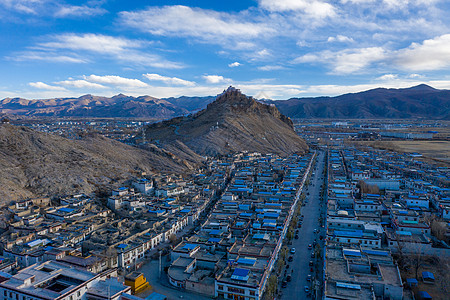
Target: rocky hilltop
233 122
38 164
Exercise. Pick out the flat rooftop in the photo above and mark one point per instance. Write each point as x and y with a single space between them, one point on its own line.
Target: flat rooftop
51 279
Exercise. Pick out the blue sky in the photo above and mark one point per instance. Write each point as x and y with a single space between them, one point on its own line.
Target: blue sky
268 48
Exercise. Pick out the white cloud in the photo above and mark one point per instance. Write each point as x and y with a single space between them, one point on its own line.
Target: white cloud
313 8
388 77
271 68
346 61
260 55
235 64
46 56
414 75
115 80
340 38
78 11
92 42
169 80
23 6
117 48
44 86
80 84
201 24
214 79
432 54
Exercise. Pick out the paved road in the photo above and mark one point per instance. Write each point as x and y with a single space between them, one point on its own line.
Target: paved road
299 267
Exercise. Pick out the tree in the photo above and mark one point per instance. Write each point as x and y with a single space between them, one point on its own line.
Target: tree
173 239
271 287
438 229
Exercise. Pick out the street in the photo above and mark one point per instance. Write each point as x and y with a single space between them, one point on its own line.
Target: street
299 267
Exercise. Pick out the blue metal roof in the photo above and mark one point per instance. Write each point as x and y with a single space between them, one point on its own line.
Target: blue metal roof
246 261
357 233
189 246
427 275
214 240
122 246
377 252
240 274
352 252
424 295
156 296
66 209
348 286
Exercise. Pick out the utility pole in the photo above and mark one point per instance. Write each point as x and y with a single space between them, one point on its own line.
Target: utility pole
159 264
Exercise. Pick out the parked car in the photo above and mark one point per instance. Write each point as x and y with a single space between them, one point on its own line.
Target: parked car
293 250
290 258
309 247
312 255
284 284
306 288
308 278
311 263
296 236
289 278
287 266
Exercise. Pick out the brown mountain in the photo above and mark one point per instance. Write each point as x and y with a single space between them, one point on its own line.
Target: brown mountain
421 101
233 122
93 106
36 164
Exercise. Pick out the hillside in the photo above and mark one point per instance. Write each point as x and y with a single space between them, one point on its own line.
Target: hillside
233 122
34 163
416 102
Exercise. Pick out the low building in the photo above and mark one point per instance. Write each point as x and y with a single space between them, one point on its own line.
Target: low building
136 281
55 280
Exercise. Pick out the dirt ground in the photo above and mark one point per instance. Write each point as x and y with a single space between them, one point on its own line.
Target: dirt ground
440 267
438 151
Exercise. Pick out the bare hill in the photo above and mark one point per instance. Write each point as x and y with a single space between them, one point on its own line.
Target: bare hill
35 164
233 122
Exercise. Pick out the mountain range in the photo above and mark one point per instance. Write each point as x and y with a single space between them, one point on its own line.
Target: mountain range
421 101
104 107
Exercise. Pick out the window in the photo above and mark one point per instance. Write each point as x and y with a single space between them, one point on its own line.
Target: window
220 287
252 293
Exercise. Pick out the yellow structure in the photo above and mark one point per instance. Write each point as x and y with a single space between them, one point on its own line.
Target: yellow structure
136 281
